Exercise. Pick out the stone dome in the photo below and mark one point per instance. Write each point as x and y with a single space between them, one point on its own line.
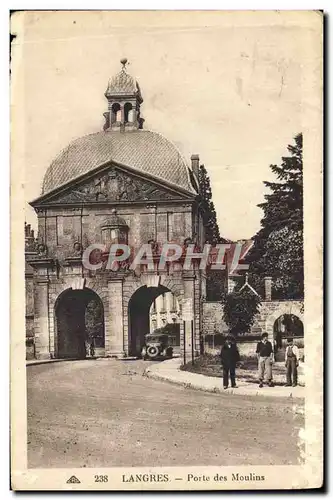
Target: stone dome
145 151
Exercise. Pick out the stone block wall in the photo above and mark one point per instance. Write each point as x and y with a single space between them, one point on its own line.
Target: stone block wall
212 320
264 321
246 349
61 228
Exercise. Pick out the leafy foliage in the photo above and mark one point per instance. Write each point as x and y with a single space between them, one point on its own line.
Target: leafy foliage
94 322
207 207
278 245
239 310
216 279
215 284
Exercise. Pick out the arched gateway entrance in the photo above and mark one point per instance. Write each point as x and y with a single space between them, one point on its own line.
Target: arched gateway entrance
140 309
79 318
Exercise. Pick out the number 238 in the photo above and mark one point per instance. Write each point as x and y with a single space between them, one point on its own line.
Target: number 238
101 479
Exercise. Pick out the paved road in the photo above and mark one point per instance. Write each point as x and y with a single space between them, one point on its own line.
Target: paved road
105 413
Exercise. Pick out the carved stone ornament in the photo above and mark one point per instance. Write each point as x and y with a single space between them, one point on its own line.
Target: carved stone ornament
114 185
42 250
75 257
77 247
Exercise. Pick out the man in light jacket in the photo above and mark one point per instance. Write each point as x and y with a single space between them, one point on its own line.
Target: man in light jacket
265 360
292 362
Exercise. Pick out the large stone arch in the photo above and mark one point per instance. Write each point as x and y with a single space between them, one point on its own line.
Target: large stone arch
283 307
69 319
57 289
170 282
130 287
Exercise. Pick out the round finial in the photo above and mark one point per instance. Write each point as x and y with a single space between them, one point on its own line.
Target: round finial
114 211
123 62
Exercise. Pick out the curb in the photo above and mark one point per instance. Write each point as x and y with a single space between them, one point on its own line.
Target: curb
34 362
186 385
155 375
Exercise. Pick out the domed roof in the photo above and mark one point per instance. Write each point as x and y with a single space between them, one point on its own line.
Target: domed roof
143 150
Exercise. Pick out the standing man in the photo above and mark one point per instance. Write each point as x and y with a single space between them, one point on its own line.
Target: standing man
265 360
229 358
87 347
92 347
292 362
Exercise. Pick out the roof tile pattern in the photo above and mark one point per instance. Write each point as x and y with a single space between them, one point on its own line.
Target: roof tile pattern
146 151
122 83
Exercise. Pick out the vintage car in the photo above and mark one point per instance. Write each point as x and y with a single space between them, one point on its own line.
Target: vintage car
156 346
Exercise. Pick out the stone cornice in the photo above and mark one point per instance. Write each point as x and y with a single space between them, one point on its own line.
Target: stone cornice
41 262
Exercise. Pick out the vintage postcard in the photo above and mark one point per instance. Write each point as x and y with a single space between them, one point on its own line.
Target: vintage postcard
166 250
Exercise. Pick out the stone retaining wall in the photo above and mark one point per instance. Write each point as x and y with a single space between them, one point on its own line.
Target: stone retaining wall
264 321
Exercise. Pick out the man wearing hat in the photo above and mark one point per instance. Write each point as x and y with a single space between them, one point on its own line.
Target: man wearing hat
292 361
265 360
229 358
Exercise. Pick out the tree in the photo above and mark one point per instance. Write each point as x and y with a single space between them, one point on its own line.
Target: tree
278 245
239 310
94 322
207 207
215 284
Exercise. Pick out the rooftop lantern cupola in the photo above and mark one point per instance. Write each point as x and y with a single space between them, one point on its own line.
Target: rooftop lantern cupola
124 100
114 230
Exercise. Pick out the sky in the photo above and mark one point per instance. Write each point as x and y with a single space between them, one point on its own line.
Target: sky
226 86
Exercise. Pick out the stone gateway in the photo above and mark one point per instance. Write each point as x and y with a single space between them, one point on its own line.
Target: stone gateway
127 185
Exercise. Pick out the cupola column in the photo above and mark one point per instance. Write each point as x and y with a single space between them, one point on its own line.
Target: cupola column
124 100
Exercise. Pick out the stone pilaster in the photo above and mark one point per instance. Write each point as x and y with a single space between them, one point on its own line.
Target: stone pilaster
41 320
268 288
114 327
188 345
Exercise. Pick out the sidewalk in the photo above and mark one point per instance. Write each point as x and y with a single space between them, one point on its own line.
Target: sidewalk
170 371
43 361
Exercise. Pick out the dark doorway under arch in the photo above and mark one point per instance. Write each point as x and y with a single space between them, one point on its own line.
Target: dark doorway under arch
79 319
138 316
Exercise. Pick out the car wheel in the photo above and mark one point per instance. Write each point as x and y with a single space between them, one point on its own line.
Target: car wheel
152 351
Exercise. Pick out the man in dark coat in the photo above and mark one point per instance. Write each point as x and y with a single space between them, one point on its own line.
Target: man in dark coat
229 358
